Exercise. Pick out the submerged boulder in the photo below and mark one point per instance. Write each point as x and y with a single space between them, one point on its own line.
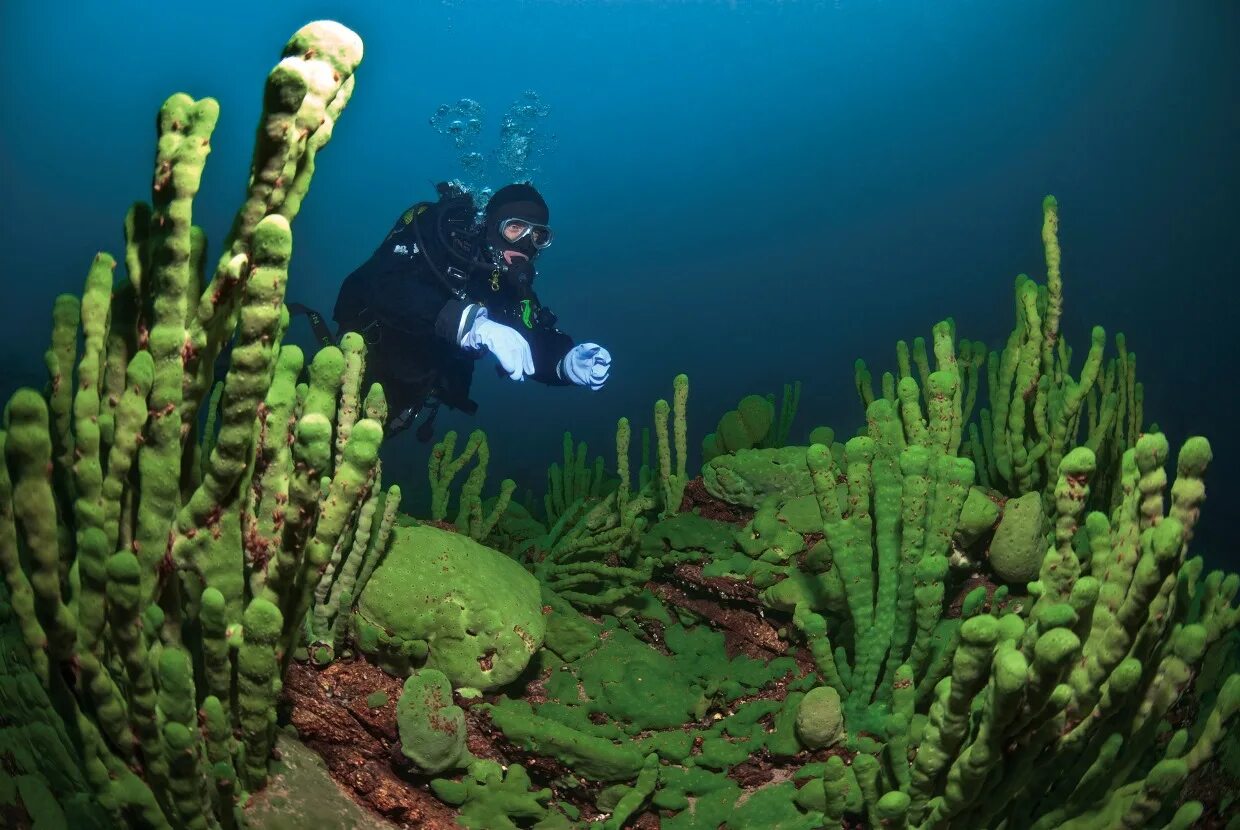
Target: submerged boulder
443 601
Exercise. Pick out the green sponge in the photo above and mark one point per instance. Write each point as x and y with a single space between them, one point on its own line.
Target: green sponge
432 728
1019 543
443 601
820 723
490 799
742 428
978 516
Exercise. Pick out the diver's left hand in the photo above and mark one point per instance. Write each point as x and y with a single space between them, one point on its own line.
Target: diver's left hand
586 364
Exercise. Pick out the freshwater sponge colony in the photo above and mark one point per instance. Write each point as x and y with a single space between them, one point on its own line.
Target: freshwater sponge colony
158 559
939 621
932 624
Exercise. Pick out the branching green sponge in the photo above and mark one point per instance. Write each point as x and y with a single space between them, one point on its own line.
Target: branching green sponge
131 542
589 755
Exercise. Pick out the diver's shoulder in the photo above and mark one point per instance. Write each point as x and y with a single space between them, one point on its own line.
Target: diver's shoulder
414 211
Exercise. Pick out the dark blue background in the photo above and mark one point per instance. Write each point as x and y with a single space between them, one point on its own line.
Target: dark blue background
750 192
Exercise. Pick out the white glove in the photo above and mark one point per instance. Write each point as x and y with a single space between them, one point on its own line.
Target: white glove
586 364
506 343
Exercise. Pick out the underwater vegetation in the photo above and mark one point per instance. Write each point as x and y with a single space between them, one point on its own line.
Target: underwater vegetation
978 610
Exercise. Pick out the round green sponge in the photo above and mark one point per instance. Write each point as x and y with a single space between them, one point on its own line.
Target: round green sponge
1019 542
443 601
820 723
432 727
977 517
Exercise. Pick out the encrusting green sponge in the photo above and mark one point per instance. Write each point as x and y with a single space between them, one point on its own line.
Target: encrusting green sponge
432 728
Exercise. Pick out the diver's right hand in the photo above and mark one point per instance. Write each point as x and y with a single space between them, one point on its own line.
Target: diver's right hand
506 343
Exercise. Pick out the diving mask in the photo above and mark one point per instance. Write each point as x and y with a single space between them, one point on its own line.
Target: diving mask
514 230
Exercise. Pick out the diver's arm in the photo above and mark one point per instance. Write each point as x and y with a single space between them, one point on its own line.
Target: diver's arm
404 293
455 319
411 300
559 361
549 346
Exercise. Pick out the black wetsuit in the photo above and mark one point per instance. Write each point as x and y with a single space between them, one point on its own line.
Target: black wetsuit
411 317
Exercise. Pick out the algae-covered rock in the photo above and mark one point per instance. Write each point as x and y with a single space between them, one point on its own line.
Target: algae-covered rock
750 476
301 793
1019 543
432 728
820 722
442 600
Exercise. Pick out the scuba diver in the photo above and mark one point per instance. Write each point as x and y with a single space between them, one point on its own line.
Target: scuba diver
443 289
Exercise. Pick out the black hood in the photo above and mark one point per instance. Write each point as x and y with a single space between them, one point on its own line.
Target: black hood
514 201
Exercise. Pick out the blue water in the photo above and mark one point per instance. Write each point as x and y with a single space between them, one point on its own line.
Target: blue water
749 192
